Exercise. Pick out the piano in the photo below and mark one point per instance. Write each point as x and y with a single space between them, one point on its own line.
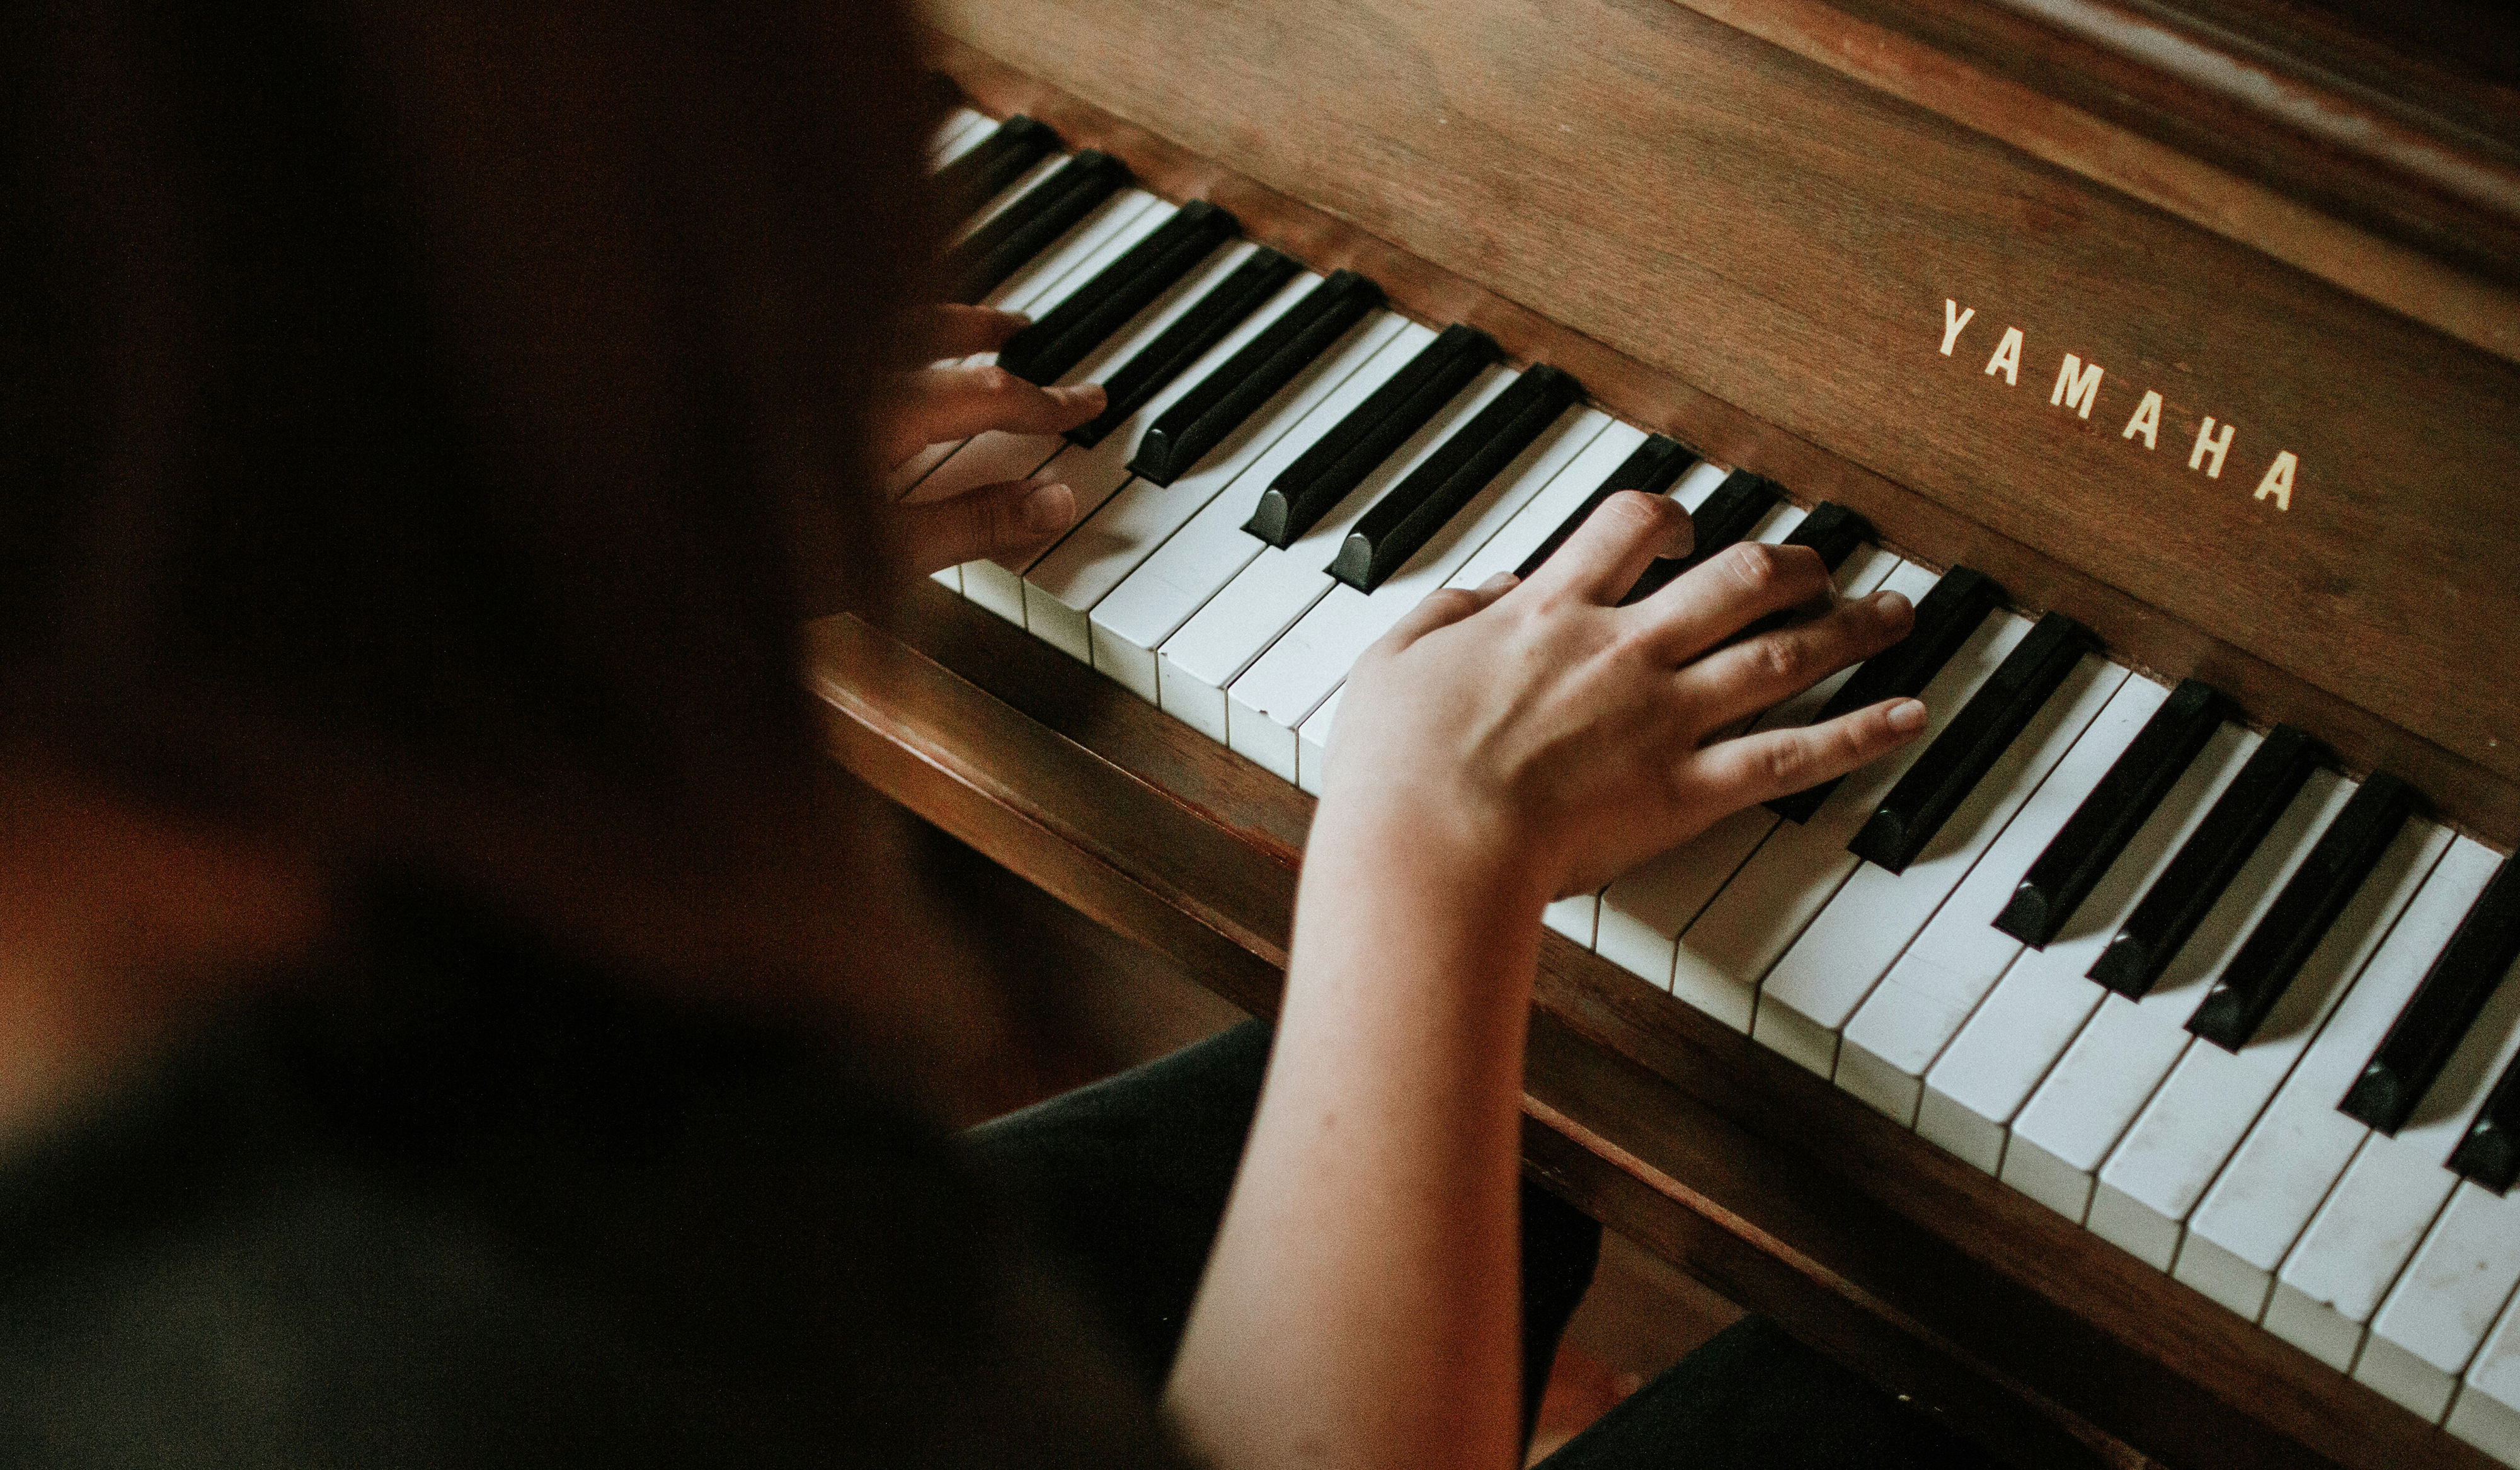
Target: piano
2126 1069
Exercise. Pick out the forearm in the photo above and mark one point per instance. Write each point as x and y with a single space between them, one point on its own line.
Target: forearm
1360 1306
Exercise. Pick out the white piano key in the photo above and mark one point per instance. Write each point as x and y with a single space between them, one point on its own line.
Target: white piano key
2314 1329
1829 970
1908 1020
2371 1222
1724 955
2482 1420
2104 1079
1978 1086
2486 1411
1152 603
1573 917
2301 1143
1043 282
1556 500
959 133
2157 1174
1646 910
1064 587
1092 475
1271 700
1282 584
2436 1316
1312 747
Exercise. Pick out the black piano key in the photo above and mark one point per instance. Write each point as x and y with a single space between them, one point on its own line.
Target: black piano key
1654 467
2490 1152
1933 788
2080 851
991 164
1339 460
980 261
1730 513
1945 619
1411 512
1199 419
2443 1007
2178 902
1832 530
2293 926
1214 317
1071 331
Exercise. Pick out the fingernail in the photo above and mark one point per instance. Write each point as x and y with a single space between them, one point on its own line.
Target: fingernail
1907 716
1892 604
1049 508
1082 393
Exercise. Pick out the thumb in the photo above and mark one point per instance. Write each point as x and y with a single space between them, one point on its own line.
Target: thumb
1019 515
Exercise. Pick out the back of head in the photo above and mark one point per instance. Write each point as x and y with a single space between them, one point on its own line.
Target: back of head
424 425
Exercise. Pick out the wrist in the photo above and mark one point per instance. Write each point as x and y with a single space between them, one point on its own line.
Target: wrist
1396 835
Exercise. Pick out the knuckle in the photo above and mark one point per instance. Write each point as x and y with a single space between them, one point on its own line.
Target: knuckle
995 381
1782 764
1754 564
1784 660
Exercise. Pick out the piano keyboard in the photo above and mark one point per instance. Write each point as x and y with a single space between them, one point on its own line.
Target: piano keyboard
2251 1021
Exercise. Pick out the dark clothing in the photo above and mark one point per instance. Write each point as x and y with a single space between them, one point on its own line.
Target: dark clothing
471 1203
1754 1396
1127 1178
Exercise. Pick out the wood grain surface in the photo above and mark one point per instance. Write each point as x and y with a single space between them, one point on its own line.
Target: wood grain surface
1775 242
1919 1270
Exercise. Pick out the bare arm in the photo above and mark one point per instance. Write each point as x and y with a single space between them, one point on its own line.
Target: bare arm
1496 750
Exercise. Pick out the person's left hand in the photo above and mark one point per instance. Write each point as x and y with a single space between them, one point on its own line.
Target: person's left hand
949 400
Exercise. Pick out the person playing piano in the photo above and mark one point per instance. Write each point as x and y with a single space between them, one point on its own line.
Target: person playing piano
456 1013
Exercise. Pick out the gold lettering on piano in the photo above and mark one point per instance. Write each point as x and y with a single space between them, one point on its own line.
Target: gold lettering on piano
2007 358
2207 444
2077 390
2278 481
1953 318
2146 420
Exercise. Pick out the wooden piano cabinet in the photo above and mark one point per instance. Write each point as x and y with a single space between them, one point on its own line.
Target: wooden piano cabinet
1738 1167
1733 243
1755 224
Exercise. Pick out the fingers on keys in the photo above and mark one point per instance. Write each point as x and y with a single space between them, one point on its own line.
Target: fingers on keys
1444 608
939 404
1602 560
1720 595
1749 677
1777 763
994 520
947 330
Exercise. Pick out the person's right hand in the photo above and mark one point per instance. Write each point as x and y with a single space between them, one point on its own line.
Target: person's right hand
1544 728
950 400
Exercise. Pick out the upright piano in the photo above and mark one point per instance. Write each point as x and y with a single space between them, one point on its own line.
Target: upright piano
2126 1069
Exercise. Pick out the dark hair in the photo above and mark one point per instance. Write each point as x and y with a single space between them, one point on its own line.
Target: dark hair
424 425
